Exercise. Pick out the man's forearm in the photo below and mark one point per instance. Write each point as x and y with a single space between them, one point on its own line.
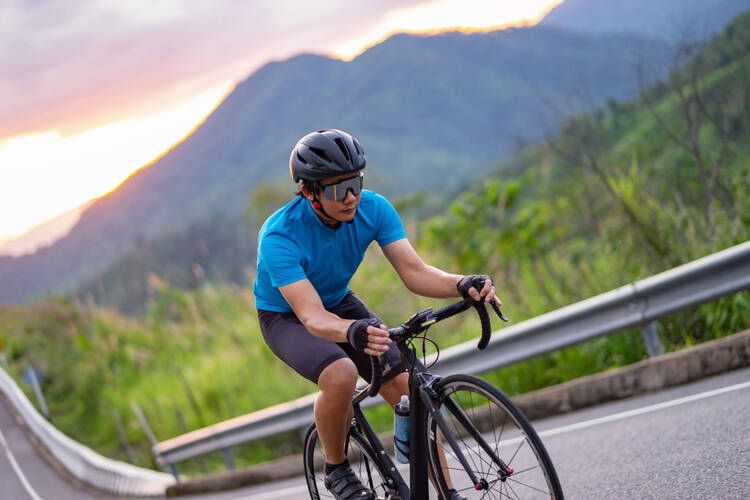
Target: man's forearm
327 325
429 281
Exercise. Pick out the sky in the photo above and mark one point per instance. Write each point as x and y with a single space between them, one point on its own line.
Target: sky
92 90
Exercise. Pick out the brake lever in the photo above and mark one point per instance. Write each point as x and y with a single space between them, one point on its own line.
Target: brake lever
499 312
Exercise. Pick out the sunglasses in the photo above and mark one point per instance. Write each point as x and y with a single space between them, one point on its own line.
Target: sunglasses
338 191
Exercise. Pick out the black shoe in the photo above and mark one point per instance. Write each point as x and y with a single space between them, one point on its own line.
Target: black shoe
346 486
454 495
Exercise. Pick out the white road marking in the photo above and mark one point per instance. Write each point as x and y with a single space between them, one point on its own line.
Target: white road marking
18 470
553 432
645 409
276 494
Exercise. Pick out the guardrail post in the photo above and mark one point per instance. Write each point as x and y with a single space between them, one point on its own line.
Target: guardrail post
144 423
184 427
30 376
124 438
146 429
651 338
173 470
228 458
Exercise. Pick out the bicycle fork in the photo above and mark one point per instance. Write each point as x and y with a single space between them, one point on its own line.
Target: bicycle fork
430 397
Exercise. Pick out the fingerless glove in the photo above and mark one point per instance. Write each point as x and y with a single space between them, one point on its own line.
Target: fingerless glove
472 281
357 333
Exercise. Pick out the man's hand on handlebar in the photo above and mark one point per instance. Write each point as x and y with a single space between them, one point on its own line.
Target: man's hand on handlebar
369 336
478 287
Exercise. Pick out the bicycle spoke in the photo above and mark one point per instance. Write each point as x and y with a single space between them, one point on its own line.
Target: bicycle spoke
528 486
504 493
485 424
516 453
511 489
500 437
519 472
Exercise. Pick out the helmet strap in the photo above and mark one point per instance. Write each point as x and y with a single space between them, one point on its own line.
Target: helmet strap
317 205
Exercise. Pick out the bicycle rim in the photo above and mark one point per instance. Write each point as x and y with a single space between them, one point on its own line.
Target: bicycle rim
360 458
505 430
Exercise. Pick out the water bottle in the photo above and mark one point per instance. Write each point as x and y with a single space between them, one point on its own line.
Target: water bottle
401 430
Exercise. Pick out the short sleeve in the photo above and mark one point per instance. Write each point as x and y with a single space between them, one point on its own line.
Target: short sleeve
282 259
391 228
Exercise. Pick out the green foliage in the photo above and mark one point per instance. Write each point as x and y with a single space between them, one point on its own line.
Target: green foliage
218 248
265 199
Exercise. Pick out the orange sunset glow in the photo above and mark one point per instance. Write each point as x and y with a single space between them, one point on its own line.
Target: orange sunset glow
82 138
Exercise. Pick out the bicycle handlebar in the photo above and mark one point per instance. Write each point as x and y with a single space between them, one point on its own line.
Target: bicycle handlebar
420 321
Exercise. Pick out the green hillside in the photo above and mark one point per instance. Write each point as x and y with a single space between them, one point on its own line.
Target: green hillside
619 194
221 248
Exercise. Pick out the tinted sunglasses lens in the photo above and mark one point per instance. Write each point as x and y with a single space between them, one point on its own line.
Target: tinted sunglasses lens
338 191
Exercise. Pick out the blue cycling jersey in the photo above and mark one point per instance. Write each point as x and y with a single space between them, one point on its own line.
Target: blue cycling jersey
294 244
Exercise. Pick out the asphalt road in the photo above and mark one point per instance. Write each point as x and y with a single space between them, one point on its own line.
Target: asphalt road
691 441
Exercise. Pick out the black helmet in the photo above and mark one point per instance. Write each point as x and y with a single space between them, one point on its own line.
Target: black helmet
326 153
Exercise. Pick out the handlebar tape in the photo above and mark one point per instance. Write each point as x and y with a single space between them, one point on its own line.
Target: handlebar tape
377 376
484 318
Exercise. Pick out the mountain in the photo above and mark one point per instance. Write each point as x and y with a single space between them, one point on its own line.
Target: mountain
431 112
667 19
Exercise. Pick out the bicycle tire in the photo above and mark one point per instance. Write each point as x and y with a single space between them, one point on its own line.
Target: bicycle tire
506 430
360 456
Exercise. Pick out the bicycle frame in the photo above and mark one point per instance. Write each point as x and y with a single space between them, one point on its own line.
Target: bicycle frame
423 397
425 402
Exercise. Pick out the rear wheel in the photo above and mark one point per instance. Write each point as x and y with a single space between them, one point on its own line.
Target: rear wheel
360 456
469 402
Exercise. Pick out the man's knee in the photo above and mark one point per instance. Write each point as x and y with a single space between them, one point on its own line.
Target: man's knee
339 376
394 389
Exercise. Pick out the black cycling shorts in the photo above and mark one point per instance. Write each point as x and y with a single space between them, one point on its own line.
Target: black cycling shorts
310 355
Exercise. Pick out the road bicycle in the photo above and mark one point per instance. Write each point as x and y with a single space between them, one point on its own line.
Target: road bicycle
463 432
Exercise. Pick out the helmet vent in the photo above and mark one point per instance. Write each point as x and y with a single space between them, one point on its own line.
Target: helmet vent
357 146
343 149
320 153
299 157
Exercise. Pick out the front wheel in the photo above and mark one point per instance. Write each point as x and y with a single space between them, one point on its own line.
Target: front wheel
475 410
360 456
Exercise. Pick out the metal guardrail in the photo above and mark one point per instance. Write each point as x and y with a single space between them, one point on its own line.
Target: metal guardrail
80 461
637 304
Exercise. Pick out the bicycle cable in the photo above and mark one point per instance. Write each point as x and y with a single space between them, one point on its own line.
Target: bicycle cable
423 336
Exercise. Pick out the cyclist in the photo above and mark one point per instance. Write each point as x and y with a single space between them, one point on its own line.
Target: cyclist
308 251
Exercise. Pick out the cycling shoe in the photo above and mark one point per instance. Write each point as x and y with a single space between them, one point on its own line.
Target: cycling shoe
454 495
346 486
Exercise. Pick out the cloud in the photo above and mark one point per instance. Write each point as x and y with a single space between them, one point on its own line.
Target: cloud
74 64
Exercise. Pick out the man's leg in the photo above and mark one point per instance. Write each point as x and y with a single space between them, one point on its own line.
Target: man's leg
333 407
393 390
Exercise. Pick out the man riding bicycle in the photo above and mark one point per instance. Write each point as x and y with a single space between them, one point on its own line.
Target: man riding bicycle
308 251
